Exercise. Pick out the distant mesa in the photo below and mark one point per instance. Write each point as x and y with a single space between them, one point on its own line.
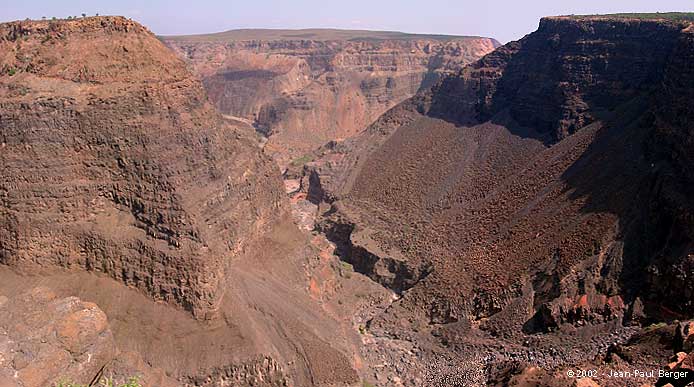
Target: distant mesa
317 34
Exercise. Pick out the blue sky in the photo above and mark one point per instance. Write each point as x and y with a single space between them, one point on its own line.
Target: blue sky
502 19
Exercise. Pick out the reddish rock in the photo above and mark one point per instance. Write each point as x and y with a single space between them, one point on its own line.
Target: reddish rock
684 336
676 360
688 363
586 382
306 88
44 338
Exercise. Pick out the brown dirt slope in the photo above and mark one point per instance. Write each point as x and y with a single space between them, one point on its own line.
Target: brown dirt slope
269 332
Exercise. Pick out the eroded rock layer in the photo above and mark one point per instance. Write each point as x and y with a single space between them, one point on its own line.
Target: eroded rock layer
305 88
113 161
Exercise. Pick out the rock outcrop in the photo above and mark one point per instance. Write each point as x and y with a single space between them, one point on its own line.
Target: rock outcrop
46 340
114 162
582 68
304 88
123 186
43 339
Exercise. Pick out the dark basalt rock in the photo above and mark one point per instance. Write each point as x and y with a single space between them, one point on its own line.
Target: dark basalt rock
562 76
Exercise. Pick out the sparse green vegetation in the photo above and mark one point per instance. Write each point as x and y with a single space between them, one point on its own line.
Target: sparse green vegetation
347 266
105 382
654 327
12 71
367 384
688 16
19 89
302 160
346 269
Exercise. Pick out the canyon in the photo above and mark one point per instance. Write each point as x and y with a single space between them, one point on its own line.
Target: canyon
304 88
347 208
496 142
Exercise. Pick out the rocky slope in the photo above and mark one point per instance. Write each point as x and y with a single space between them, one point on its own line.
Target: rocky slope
304 88
123 186
540 195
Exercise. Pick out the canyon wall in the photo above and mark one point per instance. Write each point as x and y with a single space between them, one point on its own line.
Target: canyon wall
123 186
546 185
563 77
304 88
534 210
114 162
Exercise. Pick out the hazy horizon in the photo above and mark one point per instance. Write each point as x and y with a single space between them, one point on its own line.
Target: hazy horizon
503 20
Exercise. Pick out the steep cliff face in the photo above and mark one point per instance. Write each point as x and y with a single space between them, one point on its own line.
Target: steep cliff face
671 148
113 161
305 88
582 66
544 188
123 186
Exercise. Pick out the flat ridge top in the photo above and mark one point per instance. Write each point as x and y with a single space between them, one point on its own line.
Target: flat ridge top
13 29
319 34
656 16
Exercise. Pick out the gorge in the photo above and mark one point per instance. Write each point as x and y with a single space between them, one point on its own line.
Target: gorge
347 208
304 88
